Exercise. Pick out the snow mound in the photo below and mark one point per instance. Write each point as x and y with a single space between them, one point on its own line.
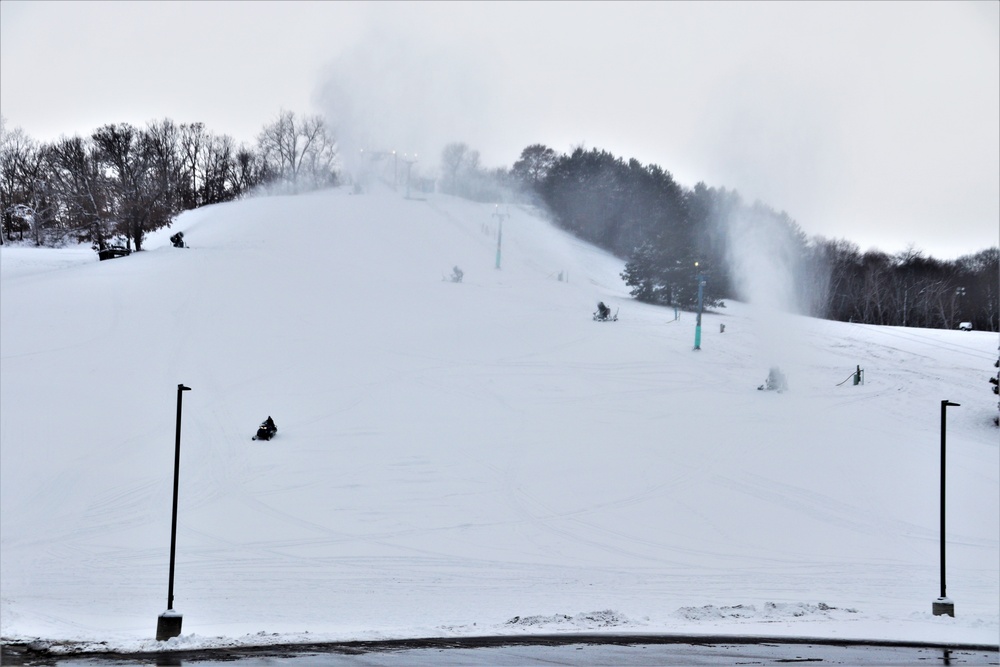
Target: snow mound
582 621
769 611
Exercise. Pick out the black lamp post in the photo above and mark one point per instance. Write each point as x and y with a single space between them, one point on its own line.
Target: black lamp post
169 622
943 605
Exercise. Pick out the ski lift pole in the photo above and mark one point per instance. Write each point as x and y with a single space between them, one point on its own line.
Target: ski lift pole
499 216
499 241
697 326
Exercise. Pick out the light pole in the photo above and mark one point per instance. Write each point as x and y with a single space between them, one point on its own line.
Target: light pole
956 304
409 163
169 622
697 326
943 605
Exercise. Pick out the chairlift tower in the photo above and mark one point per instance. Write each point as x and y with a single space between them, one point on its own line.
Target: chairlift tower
697 327
500 217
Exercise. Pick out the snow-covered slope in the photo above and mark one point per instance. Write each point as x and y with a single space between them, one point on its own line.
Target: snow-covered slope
455 456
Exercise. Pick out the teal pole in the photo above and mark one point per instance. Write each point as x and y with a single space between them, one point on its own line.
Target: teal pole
697 326
499 239
499 216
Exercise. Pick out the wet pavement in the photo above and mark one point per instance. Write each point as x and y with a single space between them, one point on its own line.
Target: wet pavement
582 650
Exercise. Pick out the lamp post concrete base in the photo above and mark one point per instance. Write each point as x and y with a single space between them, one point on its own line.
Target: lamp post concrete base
943 607
168 625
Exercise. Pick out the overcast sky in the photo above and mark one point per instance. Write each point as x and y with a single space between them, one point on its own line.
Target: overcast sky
875 122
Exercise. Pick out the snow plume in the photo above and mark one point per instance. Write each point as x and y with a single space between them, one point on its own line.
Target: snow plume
393 93
765 256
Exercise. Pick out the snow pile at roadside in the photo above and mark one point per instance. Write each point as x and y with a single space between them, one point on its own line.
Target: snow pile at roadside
583 621
769 611
454 456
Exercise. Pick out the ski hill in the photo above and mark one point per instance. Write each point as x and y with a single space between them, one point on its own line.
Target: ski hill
467 458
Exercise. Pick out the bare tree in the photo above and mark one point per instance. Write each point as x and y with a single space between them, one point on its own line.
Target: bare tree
192 141
25 193
249 170
301 151
140 198
161 145
320 157
979 276
216 167
79 183
457 161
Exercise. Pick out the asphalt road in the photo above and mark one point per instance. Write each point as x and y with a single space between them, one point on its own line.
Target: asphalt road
582 650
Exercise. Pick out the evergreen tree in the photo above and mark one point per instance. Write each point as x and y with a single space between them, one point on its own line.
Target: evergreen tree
533 165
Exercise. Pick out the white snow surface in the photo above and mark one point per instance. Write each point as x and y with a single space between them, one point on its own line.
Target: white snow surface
469 458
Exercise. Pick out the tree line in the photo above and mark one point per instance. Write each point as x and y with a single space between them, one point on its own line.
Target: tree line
670 235
122 182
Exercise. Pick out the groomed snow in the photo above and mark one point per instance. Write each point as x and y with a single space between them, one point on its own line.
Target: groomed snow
467 458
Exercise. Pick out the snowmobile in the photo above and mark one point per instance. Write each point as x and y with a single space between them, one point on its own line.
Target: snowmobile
603 314
266 430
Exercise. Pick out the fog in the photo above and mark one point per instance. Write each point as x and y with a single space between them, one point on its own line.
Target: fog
393 92
862 123
875 122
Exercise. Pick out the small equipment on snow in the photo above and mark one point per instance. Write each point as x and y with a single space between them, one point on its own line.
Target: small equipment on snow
775 381
266 430
603 313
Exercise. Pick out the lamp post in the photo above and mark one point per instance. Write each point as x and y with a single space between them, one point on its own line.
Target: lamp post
697 326
409 163
956 304
169 622
943 605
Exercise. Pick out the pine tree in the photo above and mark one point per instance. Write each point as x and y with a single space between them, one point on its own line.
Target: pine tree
995 381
